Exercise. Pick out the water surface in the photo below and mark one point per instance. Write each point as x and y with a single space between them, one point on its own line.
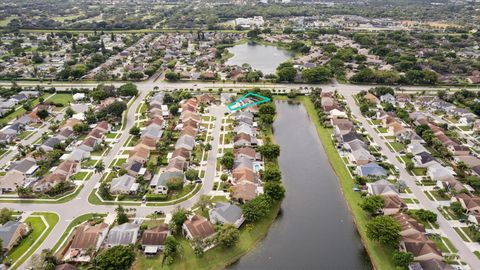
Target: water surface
260 57
315 229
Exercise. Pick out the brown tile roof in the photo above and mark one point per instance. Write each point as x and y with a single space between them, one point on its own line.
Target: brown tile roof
102 125
190 131
181 152
139 151
247 151
190 123
243 174
393 202
156 120
176 164
245 191
89 142
95 133
67 166
148 142
419 245
242 136
199 227
155 236
86 236
406 223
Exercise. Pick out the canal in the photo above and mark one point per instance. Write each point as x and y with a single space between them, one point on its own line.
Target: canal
315 229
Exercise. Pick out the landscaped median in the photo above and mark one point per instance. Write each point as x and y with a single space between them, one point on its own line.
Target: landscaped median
94 198
63 199
380 255
41 224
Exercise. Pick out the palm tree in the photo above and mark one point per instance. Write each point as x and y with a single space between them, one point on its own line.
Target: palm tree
203 202
99 167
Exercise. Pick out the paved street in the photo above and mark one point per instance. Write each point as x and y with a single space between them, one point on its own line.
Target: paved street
445 226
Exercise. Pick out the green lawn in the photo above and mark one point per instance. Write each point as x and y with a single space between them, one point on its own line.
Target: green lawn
464 128
459 232
382 130
24 135
419 171
80 176
376 122
381 256
397 147
73 223
119 162
61 98
38 227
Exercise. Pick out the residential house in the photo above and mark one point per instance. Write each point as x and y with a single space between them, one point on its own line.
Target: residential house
433 264
424 160
439 173
50 144
371 169
198 228
176 165
139 154
388 98
416 148
124 234
246 152
393 204
153 240
185 142
85 238
459 150
124 184
226 213
11 233
244 191
11 181
371 98
470 203
422 248
88 144
381 187
153 131
408 225
159 181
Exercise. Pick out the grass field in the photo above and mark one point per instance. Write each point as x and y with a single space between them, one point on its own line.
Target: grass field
380 255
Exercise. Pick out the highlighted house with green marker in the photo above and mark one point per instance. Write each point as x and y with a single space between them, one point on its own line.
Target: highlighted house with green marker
247 100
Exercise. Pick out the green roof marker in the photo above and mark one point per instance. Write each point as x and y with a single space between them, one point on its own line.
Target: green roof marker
238 104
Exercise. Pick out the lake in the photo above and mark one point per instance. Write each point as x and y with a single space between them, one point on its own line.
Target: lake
315 229
260 57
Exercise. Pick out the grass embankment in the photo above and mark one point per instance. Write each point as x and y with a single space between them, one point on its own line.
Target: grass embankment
381 256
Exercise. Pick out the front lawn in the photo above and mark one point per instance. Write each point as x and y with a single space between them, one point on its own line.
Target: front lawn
61 98
397 147
419 171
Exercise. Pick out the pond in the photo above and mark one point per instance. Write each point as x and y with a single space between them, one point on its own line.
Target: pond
315 229
260 57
